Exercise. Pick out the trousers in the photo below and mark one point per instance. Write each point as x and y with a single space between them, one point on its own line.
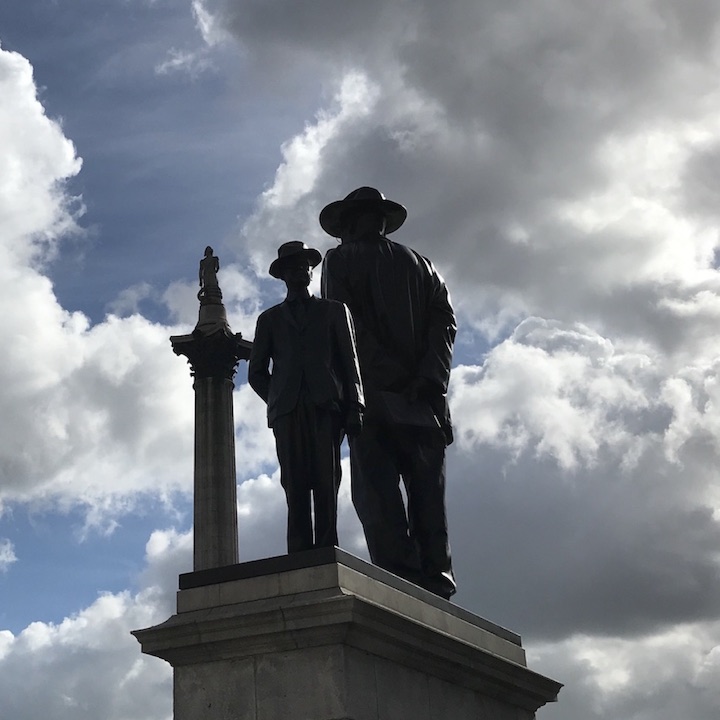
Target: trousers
308 448
413 542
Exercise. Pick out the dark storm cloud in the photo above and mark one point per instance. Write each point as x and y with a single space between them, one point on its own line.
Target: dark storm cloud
500 127
599 553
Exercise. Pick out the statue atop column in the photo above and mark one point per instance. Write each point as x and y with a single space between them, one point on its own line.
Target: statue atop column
213 317
209 266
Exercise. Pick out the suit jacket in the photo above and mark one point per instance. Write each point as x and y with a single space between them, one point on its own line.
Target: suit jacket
318 354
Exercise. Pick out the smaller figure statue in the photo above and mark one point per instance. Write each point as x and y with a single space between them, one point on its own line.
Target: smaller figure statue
313 394
207 275
212 317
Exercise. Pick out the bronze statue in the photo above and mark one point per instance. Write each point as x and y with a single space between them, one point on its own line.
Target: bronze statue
313 394
207 273
405 332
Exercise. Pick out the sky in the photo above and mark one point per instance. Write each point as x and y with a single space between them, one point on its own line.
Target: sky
560 163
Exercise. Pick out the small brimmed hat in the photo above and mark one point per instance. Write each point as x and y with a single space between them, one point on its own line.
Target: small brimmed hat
290 250
332 217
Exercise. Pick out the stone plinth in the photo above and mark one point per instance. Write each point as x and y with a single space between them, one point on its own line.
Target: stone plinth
323 635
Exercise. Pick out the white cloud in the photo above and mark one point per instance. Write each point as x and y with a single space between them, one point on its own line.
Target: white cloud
88 665
288 209
192 62
665 676
540 163
562 391
102 423
36 158
102 415
128 301
585 469
213 32
296 176
168 553
7 554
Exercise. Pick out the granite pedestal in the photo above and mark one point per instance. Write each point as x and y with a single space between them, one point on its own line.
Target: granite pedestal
323 635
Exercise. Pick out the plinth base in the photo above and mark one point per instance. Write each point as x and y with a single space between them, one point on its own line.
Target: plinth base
323 635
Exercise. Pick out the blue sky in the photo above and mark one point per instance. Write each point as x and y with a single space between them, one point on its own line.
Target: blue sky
166 157
559 162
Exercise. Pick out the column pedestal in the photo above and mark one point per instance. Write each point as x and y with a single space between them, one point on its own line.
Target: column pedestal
323 635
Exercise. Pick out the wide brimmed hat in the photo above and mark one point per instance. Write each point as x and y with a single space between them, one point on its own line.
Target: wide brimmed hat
290 250
332 217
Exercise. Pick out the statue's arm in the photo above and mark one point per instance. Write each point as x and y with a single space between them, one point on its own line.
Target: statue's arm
260 355
350 369
348 352
333 280
442 327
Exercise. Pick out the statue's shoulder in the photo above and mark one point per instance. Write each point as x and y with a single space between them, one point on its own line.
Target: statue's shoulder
327 304
324 301
270 312
405 254
423 261
335 254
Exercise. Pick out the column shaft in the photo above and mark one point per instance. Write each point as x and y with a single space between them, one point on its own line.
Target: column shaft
216 537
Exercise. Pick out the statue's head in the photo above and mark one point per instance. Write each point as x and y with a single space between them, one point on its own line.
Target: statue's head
366 202
292 254
208 251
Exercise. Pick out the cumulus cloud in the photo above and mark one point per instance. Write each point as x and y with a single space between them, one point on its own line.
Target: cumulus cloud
542 145
102 415
34 210
560 391
89 664
97 423
168 553
607 461
128 301
665 676
288 208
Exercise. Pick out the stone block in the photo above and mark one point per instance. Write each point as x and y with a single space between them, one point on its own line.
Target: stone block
215 691
301 684
336 640
450 701
401 692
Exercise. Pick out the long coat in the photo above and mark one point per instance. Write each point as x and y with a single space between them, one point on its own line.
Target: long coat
403 316
318 354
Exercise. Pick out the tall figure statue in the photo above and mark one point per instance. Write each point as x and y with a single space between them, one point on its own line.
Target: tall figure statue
313 394
405 332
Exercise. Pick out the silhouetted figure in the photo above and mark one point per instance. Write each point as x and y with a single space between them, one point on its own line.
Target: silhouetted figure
405 332
313 393
209 267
